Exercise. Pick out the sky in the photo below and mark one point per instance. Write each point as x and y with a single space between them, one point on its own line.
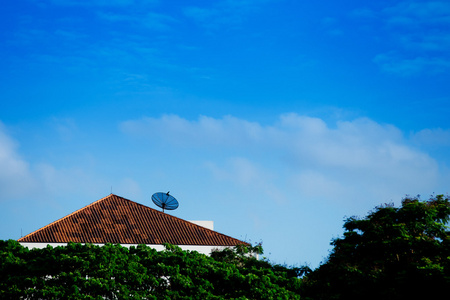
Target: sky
276 119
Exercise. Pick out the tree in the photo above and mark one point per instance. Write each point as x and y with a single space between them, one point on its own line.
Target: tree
87 271
392 253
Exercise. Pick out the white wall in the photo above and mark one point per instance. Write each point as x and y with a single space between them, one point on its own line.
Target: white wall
206 224
200 249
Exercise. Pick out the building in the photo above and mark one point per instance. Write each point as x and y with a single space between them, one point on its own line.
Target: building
117 220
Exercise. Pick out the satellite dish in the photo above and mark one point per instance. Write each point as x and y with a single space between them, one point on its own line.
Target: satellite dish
165 201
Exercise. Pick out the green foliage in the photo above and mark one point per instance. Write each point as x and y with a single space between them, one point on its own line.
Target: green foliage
114 272
393 253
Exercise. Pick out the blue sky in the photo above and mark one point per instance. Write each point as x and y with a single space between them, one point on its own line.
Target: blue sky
275 119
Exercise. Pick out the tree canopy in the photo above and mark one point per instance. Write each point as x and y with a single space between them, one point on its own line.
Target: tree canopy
79 271
392 253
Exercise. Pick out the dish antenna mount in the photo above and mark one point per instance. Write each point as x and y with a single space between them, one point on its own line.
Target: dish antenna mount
165 201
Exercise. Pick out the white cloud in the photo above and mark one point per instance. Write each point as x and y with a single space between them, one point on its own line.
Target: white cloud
26 179
249 176
15 177
317 184
433 137
65 127
301 154
206 131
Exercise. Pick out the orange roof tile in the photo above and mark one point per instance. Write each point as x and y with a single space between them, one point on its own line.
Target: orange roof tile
114 219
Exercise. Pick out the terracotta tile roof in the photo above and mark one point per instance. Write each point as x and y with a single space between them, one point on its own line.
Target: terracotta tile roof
114 219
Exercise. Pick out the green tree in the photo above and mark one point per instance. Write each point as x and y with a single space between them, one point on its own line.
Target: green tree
79 271
393 253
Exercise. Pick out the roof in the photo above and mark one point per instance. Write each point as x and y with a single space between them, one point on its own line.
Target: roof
117 220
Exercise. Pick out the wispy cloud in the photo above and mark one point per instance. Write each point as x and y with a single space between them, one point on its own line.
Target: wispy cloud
431 42
100 2
221 13
331 25
420 25
395 63
413 13
150 20
418 31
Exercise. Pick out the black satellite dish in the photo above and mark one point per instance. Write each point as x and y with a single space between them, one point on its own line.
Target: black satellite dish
165 201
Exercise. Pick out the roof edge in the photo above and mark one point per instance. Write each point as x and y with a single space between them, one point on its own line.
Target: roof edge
65 217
